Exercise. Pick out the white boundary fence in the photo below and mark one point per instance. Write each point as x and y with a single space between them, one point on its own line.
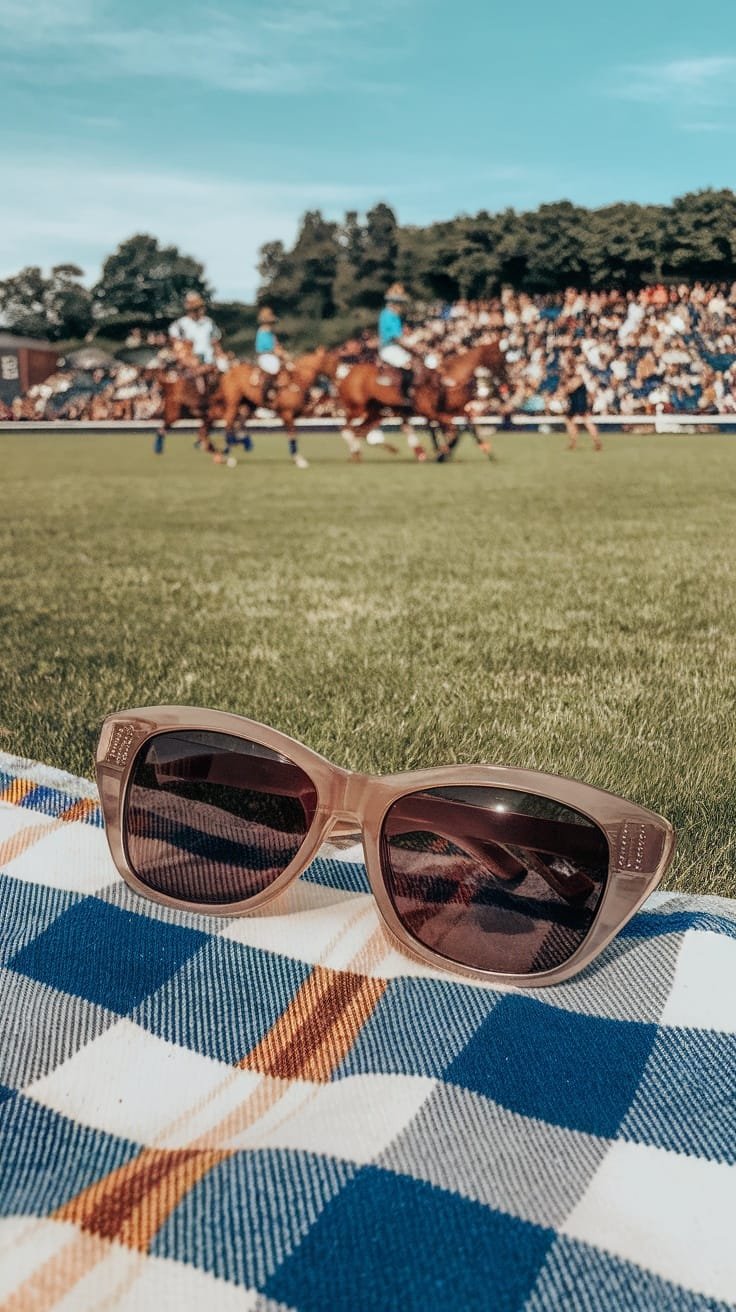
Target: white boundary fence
539 423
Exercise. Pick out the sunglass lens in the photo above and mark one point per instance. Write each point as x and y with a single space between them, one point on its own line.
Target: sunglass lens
212 818
492 878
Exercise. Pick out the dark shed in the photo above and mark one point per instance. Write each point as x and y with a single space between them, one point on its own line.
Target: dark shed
23 362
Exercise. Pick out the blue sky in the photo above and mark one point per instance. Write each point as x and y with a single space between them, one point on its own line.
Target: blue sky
216 126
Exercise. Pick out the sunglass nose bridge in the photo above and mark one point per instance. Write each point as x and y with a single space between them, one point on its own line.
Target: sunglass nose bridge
347 816
345 831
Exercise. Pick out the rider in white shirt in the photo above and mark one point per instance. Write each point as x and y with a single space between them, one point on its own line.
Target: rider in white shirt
196 328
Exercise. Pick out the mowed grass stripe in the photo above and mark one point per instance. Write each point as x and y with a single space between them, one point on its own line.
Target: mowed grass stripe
566 612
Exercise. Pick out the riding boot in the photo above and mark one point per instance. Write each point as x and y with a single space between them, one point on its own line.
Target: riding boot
407 381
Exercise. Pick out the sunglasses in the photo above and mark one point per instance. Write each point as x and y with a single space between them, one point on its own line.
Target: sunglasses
503 875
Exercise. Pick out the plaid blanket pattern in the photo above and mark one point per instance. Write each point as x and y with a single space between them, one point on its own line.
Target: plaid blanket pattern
282 1112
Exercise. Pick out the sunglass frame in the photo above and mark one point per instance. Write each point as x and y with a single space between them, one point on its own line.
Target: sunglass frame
641 843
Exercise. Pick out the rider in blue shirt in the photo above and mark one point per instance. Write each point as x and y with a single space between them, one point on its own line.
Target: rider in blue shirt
265 341
391 348
269 353
390 326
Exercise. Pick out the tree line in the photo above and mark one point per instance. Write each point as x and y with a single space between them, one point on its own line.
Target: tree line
332 280
141 283
333 268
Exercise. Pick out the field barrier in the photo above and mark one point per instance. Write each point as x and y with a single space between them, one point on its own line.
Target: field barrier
722 423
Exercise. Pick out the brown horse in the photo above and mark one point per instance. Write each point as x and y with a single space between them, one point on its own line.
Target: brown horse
459 384
246 388
196 393
439 396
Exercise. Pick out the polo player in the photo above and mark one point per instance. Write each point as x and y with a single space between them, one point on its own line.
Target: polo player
195 336
393 348
270 355
195 341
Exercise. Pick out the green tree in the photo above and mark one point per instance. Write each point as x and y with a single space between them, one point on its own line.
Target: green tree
71 303
280 286
556 252
377 255
623 244
344 270
426 261
301 281
700 236
345 289
474 265
315 258
57 307
513 241
146 282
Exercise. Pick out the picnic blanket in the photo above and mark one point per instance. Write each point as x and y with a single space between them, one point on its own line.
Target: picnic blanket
283 1112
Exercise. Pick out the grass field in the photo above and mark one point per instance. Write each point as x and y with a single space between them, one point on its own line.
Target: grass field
565 612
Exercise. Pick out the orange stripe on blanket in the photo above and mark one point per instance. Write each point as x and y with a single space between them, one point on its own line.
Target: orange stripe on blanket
54 1278
16 790
20 842
318 1028
78 810
131 1204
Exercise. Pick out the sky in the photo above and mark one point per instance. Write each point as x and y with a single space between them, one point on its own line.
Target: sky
216 126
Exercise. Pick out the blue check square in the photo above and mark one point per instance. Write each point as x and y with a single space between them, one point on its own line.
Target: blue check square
685 1101
387 1241
26 910
46 1159
560 1066
106 955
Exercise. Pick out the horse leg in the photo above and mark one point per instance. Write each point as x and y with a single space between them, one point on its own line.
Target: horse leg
350 437
442 448
232 406
294 452
204 440
239 430
483 444
373 429
413 440
205 443
356 424
450 436
172 412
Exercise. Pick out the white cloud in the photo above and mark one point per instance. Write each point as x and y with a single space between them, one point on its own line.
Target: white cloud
226 47
47 20
55 210
705 125
699 80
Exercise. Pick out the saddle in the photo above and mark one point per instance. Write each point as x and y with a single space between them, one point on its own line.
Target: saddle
205 377
269 385
407 380
389 376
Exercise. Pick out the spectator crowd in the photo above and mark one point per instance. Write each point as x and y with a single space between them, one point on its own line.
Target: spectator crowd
662 350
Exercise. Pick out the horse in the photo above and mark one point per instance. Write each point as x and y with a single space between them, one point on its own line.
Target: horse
459 381
246 387
367 389
197 394
439 395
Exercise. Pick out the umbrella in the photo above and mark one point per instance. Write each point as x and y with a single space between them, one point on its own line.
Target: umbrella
142 356
90 357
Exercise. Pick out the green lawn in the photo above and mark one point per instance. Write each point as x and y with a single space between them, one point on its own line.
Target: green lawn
566 612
